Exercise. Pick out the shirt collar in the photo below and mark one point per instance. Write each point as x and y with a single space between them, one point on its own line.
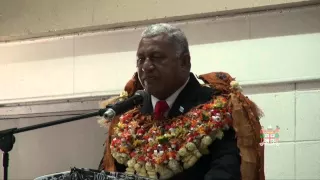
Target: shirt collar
171 99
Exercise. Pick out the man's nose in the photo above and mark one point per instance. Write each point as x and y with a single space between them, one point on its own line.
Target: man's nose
148 65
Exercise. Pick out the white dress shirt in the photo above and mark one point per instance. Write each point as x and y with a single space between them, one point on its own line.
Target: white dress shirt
171 99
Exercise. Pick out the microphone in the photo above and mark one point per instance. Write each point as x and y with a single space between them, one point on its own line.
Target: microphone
126 105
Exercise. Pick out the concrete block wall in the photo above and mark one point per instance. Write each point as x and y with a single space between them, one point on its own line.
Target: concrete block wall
53 149
294 107
81 65
274 55
40 18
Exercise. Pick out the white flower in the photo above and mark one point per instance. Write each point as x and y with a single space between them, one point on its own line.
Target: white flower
206 140
219 134
175 166
190 146
182 151
216 118
137 167
129 170
164 172
142 172
149 167
235 85
190 163
131 162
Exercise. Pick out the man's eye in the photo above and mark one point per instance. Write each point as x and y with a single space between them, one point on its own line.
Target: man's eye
140 60
157 56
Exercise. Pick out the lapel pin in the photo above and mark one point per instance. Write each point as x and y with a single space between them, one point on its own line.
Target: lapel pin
181 109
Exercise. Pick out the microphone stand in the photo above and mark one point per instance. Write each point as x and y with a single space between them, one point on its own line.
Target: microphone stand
7 138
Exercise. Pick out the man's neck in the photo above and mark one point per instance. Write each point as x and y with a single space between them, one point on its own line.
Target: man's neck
172 98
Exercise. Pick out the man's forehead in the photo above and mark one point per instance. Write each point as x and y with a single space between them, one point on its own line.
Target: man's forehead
162 38
160 41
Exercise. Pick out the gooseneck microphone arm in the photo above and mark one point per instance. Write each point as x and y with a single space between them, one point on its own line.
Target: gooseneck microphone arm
126 105
7 138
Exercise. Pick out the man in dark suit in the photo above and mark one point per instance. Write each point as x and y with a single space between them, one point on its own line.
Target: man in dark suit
163 70
163 66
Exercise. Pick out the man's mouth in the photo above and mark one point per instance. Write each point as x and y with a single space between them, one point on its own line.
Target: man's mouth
149 78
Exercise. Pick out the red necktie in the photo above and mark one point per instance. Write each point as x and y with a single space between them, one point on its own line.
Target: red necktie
160 109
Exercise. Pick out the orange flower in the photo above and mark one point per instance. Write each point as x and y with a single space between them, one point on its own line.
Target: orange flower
202 130
207 106
194 123
123 149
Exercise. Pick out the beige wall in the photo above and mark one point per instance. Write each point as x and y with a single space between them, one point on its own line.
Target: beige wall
20 19
57 148
100 63
260 49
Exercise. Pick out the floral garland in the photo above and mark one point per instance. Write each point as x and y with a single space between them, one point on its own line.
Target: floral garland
148 147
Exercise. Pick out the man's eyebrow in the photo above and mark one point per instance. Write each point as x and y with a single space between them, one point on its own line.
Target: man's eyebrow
139 54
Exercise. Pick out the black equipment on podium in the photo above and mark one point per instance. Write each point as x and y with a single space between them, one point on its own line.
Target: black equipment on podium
90 174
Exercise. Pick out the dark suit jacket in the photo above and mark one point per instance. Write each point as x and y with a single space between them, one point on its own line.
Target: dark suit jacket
223 162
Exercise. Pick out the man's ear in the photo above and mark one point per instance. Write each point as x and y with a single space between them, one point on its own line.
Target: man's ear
185 61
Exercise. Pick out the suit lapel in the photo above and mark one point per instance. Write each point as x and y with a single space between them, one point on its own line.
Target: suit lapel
146 105
187 99
192 95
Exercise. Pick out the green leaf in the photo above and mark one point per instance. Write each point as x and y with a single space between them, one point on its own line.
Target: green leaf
205 117
162 139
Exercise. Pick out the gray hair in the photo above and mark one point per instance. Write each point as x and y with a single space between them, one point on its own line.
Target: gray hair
175 36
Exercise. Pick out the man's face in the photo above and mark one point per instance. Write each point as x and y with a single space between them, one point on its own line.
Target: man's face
158 66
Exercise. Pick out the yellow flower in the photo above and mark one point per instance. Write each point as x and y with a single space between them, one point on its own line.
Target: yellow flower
137 143
235 85
220 102
123 94
122 125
